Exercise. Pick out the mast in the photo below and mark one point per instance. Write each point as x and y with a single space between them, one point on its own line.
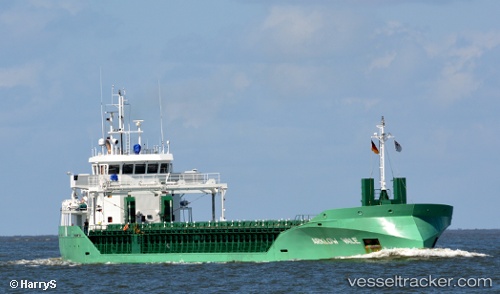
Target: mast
102 112
161 119
382 137
121 123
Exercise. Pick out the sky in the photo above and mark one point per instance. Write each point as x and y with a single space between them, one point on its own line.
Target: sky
280 97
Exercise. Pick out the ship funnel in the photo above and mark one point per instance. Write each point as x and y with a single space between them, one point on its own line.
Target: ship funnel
367 192
399 186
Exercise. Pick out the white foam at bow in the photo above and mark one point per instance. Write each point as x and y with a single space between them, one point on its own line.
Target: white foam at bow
43 261
414 252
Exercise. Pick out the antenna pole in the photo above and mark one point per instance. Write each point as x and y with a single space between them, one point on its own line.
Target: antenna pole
102 110
120 118
161 119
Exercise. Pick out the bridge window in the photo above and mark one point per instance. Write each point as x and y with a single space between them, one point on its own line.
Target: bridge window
152 168
103 169
128 168
114 169
164 168
140 168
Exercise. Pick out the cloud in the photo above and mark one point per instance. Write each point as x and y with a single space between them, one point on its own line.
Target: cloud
292 26
241 81
288 78
395 29
30 19
196 101
20 22
451 63
366 103
382 62
297 32
460 54
73 7
23 75
29 93
453 86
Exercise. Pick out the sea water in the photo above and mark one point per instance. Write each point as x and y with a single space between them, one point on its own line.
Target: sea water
463 261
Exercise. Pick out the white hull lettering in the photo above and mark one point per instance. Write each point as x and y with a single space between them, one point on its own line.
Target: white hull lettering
324 241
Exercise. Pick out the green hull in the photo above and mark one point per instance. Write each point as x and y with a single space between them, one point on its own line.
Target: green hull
333 233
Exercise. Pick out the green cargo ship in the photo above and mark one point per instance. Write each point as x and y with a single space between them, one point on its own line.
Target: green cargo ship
133 208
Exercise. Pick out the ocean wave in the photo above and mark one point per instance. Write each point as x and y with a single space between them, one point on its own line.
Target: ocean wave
40 262
416 252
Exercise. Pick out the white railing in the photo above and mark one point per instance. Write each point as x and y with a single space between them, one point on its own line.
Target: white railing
85 181
97 151
195 178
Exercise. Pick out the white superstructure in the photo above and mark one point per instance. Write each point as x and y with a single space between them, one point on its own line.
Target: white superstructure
133 183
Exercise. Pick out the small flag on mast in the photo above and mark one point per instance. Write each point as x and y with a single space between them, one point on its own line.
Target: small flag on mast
374 148
398 146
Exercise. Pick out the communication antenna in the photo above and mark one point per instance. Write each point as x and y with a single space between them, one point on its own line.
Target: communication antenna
161 118
102 110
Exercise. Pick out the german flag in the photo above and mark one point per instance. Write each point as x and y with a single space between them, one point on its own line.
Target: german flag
374 148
